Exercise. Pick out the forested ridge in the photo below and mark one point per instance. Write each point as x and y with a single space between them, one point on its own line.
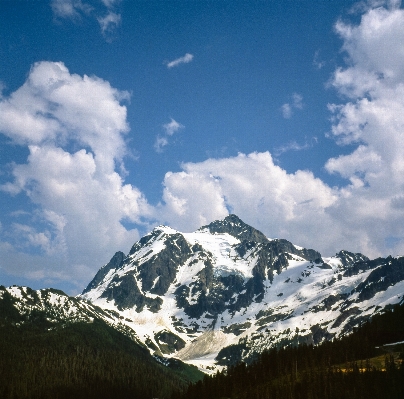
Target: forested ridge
339 369
44 359
40 359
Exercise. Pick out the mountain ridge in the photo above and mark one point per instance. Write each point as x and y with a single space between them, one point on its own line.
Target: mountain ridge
56 346
227 285
222 294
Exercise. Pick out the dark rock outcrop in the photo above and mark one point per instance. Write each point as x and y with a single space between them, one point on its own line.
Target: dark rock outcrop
234 226
390 272
114 264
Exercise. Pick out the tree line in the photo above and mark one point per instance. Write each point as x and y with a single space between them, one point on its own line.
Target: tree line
43 359
333 370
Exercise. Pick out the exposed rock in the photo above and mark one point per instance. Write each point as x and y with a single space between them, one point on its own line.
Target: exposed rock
124 291
348 259
384 276
157 273
234 226
344 315
115 262
237 329
169 342
231 355
320 334
227 281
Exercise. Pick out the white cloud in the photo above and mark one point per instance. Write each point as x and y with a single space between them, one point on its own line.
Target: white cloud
73 126
54 106
253 187
181 60
111 20
169 128
373 119
108 19
172 127
363 6
317 62
72 9
109 23
74 146
364 215
111 3
286 111
297 100
294 146
361 161
160 143
297 103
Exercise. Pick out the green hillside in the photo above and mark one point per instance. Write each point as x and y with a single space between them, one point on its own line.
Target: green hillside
40 359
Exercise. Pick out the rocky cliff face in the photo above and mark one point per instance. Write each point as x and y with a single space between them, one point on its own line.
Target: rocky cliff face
226 291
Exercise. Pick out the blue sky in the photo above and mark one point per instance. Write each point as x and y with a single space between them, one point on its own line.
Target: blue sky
118 115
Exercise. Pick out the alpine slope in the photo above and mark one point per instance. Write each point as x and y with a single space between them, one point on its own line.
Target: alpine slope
225 292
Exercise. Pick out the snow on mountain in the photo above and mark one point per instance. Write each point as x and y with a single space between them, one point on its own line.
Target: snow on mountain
54 308
225 292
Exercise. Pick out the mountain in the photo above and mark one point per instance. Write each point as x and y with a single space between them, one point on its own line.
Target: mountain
368 363
56 346
227 292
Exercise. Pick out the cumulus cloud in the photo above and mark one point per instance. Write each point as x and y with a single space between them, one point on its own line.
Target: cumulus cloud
366 213
169 129
297 103
74 128
363 6
372 119
253 187
181 60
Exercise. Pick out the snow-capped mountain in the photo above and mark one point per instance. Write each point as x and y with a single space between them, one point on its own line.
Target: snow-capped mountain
226 291
23 305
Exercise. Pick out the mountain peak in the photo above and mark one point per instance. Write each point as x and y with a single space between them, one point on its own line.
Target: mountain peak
232 218
162 228
234 226
193 294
